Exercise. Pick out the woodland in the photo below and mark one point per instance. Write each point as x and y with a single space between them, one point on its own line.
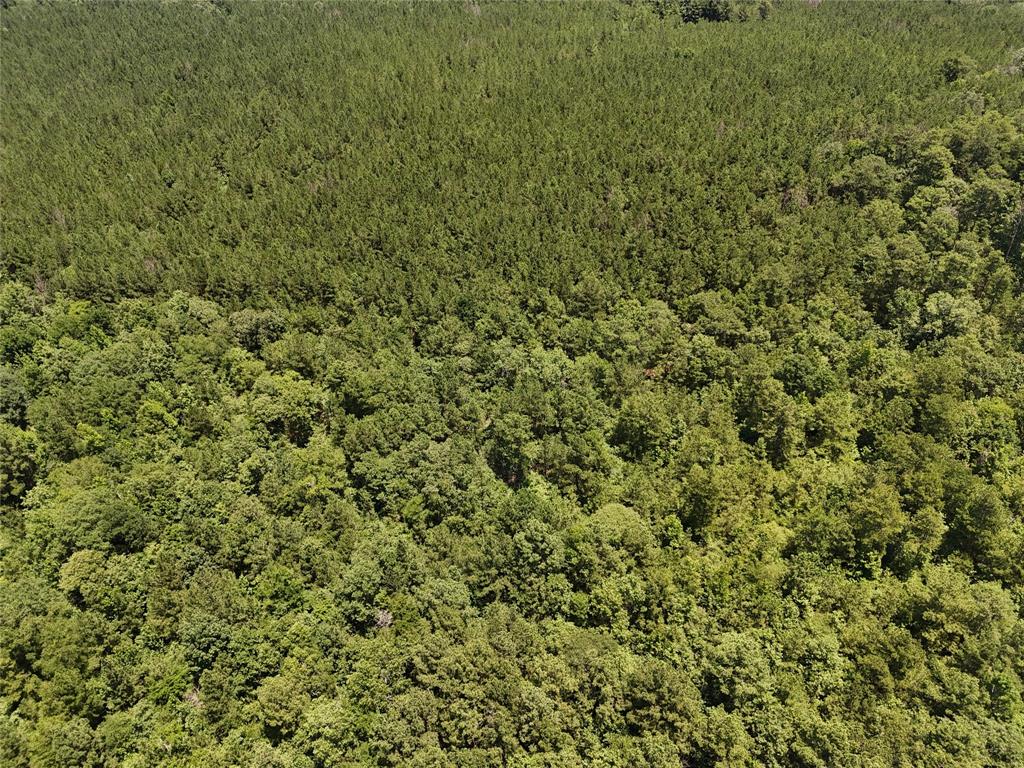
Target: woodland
505 385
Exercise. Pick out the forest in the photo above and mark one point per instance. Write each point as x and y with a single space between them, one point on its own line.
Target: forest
489 384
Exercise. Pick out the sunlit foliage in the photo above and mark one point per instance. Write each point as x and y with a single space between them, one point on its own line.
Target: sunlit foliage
511 384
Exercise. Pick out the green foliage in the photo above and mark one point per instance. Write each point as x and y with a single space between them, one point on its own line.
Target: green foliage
512 385
692 11
18 468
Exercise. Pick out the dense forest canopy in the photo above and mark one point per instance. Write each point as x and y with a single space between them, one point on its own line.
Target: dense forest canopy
577 384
